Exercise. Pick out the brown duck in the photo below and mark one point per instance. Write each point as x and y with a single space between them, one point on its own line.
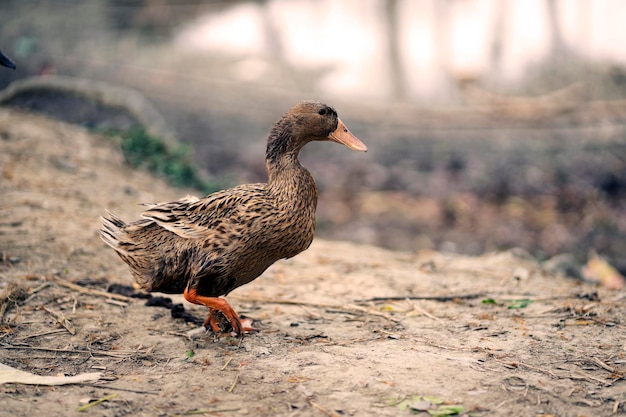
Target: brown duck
205 248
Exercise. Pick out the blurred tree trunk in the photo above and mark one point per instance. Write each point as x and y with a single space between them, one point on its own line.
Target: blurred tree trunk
272 33
556 36
444 79
398 79
498 39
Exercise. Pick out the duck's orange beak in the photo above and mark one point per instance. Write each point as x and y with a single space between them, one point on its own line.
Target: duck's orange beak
345 137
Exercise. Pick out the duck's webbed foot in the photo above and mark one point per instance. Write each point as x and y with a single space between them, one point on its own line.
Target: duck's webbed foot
219 323
219 309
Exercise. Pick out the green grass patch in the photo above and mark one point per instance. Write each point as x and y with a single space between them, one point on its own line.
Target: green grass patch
141 150
425 405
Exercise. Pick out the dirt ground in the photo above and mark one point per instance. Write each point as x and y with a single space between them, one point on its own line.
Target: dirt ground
488 335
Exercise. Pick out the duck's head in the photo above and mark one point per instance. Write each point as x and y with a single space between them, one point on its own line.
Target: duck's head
6 61
306 122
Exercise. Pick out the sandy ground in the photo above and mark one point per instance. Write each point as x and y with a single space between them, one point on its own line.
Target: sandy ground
493 335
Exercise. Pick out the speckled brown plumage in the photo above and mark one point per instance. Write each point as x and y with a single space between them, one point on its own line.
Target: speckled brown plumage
207 247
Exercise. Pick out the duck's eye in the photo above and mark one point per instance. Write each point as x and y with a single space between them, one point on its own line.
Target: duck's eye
323 111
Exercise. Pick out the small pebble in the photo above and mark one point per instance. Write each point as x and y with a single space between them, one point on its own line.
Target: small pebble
196 332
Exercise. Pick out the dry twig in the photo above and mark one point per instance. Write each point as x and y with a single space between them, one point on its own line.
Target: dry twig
34 292
330 307
46 333
425 313
232 387
91 291
322 409
278 301
226 364
603 365
116 303
108 387
117 354
98 401
60 318
440 298
215 411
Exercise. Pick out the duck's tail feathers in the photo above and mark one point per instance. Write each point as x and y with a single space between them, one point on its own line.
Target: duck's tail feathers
112 230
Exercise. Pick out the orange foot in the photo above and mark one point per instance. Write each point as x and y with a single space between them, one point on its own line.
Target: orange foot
219 307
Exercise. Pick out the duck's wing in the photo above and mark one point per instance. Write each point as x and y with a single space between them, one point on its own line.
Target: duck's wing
194 218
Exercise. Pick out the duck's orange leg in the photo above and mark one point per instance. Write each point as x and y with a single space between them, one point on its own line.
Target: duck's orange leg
215 304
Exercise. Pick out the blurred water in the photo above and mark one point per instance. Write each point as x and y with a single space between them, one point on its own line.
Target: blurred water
435 39
449 166
364 49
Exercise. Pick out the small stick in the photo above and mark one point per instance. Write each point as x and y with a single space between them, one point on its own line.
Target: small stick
45 349
589 378
43 334
441 298
116 303
90 352
72 286
360 311
603 365
98 401
60 318
216 411
426 313
136 391
322 409
232 387
533 368
374 313
179 334
34 292
352 313
226 364
446 298
319 305
278 301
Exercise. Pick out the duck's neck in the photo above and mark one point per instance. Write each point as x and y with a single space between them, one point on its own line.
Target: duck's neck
291 184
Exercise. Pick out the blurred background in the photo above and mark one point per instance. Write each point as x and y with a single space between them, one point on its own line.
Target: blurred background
490 124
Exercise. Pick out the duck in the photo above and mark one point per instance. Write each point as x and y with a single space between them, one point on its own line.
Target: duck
5 61
206 247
